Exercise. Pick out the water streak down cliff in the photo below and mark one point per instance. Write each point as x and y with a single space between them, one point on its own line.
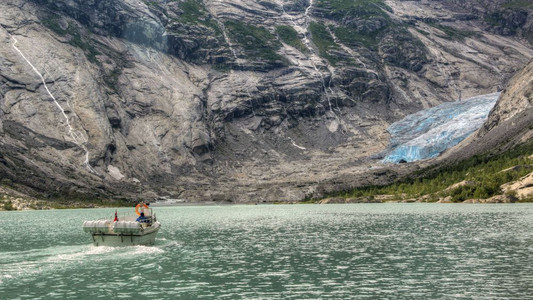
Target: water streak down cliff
232 100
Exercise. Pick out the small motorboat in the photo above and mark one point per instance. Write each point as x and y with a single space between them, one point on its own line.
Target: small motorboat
139 229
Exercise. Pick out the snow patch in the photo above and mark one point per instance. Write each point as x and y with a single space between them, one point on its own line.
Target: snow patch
296 145
114 172
333 126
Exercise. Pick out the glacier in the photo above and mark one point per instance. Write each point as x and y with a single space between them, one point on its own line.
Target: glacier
429 132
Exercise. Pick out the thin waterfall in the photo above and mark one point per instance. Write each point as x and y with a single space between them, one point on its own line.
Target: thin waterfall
78 139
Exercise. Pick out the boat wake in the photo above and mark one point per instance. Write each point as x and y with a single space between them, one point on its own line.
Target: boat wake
23 264
142 250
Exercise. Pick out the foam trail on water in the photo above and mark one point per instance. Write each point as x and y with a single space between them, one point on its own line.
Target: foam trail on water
36 262
78 139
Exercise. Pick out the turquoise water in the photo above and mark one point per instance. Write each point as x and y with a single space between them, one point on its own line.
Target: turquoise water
362 251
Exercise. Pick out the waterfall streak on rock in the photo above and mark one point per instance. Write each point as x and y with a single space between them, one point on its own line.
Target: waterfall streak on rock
305 30
296 145
307 21
224 34
73 134
351 52
237 61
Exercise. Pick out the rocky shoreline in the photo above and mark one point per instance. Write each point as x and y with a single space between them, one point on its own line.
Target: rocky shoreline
12 200
21 204
494 199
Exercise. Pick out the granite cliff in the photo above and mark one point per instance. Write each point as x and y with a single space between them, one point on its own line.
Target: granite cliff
510 122
233 100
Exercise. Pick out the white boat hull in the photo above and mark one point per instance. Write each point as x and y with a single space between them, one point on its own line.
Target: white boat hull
147 237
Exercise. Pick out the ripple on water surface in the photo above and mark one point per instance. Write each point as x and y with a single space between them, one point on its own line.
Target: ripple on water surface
302 251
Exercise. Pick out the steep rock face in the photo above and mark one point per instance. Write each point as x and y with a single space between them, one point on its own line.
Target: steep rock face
499 16
510 122
516 98
185 31
226 100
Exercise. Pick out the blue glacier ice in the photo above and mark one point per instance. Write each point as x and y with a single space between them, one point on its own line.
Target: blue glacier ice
429 132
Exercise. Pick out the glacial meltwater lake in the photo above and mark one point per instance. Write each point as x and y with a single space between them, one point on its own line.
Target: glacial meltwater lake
393 251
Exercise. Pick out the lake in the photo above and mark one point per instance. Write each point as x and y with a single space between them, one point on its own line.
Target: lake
356 251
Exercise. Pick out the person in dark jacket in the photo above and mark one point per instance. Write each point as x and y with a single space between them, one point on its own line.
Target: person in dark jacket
142 218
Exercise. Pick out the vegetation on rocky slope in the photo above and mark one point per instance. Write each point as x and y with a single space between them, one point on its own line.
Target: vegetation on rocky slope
11 199
194 12
367 25
479 177
517 4
352 38
363 8
361 21
256 42
324 41
453 33
290 37
76 38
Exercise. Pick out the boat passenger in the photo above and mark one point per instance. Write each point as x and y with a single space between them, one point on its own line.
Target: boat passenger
142 218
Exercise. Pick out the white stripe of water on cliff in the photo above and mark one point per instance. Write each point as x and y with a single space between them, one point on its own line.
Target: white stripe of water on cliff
75 137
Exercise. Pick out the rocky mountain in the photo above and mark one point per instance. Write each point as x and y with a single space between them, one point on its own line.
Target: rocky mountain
517 100
236 100
510 123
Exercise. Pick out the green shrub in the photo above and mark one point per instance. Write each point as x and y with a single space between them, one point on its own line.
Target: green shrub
192 11
517 4
350 37
365 9
76 38
323 41
78 41
488 172
52 23
8 205
290 37
454 34
256 41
